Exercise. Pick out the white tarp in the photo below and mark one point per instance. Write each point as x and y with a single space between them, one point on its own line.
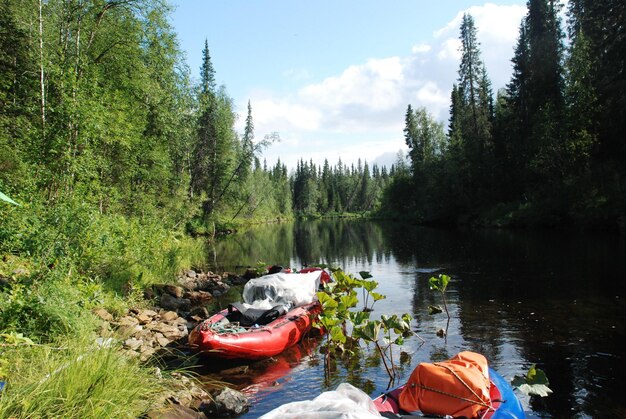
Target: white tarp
347 402
290 289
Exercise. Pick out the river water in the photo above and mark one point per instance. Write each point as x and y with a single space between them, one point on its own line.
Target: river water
554 299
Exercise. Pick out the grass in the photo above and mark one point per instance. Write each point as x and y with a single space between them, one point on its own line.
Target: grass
56 265
75 379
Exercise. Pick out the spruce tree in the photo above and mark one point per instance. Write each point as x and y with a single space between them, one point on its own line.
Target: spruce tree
472 107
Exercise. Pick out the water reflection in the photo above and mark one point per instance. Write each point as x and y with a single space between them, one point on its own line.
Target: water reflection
554 299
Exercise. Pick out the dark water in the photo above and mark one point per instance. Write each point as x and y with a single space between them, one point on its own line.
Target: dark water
553 299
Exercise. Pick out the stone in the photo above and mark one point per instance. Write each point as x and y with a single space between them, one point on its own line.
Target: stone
103 314
174 290
227 403
161 340
146 316
199 313
169 316
127 321
128 331
133 344
198 297
169 302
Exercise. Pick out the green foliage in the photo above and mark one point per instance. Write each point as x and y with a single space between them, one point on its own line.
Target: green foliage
15 339
75 379
535 383
345 326
5 198
440 284
43 310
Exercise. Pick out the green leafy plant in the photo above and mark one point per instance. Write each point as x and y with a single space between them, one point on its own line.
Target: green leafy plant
440 284
535 383
391 330
368 290
345 326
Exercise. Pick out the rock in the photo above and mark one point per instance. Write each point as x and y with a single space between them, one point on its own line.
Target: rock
199 313
133 344
198 297
171 332
169 302
103 314
146 353
169 316
127 321
174 290
128 331
161 340
146 316
191 274
227 403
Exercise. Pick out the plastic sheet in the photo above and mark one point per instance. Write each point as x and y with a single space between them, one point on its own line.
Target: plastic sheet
347 402
289 289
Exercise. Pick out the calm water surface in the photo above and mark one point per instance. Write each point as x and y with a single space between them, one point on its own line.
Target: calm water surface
552 299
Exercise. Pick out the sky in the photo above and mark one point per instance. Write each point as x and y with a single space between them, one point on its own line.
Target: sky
334 78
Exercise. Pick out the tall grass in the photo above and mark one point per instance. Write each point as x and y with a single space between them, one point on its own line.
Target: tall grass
76 379
57 262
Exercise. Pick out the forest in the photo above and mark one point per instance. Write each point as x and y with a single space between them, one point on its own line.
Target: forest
116 166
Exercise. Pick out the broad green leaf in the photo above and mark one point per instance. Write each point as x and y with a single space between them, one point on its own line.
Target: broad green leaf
365 275
434 310
369 331
370 285
337 335
328 322
440 283
376 296
349 301
535 383
540 390
359 317
327 302
537 376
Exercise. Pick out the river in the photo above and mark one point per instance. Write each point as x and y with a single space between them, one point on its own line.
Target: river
520 298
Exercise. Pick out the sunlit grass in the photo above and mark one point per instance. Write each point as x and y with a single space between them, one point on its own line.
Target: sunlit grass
75 379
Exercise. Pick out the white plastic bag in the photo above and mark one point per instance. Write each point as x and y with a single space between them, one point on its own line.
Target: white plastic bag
346 402
290 289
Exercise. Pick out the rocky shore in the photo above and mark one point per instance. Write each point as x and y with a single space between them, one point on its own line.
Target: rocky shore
158 336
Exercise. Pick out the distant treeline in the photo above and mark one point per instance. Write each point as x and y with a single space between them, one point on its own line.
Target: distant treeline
98 114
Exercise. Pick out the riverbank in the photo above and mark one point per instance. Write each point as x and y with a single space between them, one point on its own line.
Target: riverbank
148 340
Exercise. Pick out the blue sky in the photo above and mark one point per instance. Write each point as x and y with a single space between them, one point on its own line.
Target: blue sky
334 78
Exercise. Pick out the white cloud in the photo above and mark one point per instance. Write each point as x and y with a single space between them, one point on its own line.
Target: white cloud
285 113
421 48
360 112
373 85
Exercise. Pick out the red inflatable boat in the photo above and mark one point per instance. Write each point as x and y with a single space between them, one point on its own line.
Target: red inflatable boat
255 331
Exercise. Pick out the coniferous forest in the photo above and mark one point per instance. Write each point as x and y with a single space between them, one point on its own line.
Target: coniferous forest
114 161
